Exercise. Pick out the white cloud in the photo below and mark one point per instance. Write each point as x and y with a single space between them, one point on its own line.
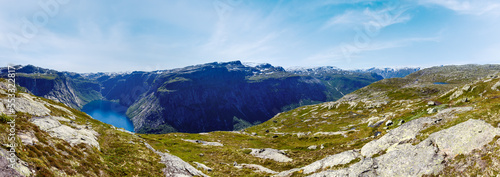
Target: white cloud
348 52
386 16
476 7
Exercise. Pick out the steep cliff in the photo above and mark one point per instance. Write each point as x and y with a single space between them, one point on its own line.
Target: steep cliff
65 87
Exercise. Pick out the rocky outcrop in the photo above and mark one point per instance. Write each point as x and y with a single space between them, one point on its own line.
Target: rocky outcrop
20 167
495 87
175 166
202 166
403 133
273 154
425 158
74 136
27 104
206 143
330 161
256 168
408 131
28 138
464 137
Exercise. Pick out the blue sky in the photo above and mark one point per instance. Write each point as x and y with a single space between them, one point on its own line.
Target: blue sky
126 35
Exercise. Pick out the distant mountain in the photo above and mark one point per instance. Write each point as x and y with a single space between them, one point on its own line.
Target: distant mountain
390 72
200 98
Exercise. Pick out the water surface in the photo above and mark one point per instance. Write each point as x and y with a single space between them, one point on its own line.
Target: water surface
440 83
110 113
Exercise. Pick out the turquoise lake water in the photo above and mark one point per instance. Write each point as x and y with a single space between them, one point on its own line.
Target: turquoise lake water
110 113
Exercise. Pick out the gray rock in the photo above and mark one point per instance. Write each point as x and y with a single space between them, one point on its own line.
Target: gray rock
28 105
400 134
466 88
312 147
363 168
431 110
175 166
343 133
20 167
258 168
2 108
426 158
409 160
202 166
273 154
69 134
431 103
464 137
206 143
495 87
330 161
27 138
388 123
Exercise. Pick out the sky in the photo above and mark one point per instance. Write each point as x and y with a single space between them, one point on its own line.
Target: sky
130 35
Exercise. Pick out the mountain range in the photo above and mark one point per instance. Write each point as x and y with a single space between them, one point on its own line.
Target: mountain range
200 98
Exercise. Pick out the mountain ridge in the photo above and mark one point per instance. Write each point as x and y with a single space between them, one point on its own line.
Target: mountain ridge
273 90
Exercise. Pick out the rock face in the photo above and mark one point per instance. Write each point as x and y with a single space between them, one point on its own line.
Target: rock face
408 131
425 158
403 133
273 154
257 168
202 166
330 161
28 105
71 135
206 143
65 87
464 137
5 170
175 166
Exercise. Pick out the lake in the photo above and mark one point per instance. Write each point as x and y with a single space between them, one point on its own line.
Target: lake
439 83
110 113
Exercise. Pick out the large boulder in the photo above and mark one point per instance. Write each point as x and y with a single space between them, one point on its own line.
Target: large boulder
74 136
330 161
403 133
273 154
464 137
175 166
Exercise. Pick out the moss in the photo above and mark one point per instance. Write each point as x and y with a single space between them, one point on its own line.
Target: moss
4 118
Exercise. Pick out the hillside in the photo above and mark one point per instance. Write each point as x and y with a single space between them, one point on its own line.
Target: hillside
412 126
